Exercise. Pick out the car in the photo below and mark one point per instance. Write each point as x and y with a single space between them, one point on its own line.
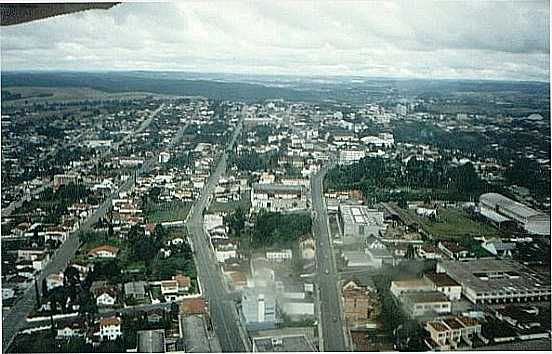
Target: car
327 271
334 319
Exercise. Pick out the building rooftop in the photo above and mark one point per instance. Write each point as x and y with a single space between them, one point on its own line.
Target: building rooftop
424 297
441 279
507 203
410 284
358 214
282 188
493 275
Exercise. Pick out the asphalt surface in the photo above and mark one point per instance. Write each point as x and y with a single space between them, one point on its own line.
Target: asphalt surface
15 319
328 280
221 306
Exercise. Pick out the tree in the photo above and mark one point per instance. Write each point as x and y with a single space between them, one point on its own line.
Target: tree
154 194
44 288
37 293
410 254
142 247
236 221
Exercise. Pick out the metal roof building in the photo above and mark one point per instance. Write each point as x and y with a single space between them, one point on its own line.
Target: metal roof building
499 208
489 280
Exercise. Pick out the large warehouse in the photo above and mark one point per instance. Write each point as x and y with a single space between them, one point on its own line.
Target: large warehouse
358 220
489 280
499 208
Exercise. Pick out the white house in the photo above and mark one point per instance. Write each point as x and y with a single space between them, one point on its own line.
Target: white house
110 328
279 256
224 249
105 297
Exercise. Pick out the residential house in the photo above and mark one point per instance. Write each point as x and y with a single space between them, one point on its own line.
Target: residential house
110 328
105 296
225 249
452 333
279 256
135 290
378 253
429 251
71 329
453 250
361 305
104 251
176 288
499 248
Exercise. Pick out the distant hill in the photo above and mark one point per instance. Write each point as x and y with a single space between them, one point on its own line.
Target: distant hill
121 82
252 88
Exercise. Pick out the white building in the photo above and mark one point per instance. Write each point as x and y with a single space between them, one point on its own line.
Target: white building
350 156
259 306
533 221
224 249
381 140
164 157
360 221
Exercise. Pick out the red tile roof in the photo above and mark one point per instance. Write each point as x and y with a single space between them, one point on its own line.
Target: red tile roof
112 249
110 321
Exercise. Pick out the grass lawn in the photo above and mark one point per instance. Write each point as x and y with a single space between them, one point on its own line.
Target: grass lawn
95 239
454 223
244 203
136 267
169 211
156 292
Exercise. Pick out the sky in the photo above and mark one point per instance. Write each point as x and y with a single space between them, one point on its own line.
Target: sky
506 40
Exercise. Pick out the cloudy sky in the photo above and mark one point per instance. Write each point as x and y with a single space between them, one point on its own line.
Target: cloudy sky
476 39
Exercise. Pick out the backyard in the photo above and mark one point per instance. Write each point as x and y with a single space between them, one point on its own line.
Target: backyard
167 212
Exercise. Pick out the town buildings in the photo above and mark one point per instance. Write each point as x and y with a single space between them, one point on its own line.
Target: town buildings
278 197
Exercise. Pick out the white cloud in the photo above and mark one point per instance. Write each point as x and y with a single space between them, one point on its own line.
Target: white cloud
492 40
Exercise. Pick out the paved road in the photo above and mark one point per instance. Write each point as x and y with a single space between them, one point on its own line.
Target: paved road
222 308
15 319
330 300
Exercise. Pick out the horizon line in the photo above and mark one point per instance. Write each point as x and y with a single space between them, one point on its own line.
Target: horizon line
358 76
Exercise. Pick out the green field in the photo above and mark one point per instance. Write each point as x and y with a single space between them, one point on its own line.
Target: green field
453 223
169 211
244 203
